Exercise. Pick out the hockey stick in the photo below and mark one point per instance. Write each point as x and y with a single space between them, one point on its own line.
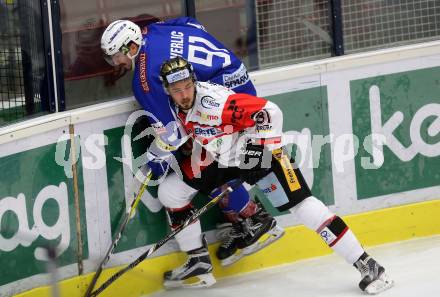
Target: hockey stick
121 228
161 242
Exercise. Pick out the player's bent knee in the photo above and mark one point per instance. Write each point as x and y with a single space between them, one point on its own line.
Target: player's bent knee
318 217
174 193
312 213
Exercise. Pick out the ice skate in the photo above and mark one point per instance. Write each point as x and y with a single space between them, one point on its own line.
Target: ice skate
229 234
195 273
374 279
247 237
260 230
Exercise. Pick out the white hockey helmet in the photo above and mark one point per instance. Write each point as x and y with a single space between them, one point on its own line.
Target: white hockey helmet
116 38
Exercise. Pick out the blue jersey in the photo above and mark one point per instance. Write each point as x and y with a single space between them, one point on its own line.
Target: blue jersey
187 38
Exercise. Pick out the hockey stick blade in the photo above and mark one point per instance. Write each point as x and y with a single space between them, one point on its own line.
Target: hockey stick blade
121 228
232 185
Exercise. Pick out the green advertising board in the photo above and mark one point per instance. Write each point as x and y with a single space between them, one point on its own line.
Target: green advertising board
36 211
404 108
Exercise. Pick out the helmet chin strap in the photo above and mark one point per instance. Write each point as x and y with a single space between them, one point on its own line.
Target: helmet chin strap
133 66
133 58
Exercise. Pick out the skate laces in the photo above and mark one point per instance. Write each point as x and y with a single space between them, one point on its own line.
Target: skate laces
233 232
364 267
253 223
177 272
227 242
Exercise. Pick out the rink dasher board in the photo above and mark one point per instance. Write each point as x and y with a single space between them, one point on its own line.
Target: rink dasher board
377 227
336 97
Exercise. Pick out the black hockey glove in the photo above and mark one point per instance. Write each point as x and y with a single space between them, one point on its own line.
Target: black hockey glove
251 167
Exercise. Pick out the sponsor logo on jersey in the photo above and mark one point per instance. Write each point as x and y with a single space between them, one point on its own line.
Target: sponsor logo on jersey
143 72
208 102
218 142
237 78
207 131
261 117
270 189
252 153
237 112
207 116
263 128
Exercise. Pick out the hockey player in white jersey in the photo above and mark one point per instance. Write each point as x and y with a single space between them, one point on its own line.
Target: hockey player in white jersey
242 135
143 50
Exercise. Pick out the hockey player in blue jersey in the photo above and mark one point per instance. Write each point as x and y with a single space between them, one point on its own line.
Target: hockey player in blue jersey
125 45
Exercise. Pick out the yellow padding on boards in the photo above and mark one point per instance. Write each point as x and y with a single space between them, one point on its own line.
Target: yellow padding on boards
372 228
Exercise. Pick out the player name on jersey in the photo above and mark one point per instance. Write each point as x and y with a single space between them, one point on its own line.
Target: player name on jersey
176 45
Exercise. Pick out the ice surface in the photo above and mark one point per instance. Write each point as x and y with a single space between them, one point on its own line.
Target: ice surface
414 265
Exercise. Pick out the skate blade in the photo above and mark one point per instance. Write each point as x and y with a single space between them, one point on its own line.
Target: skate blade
232 259
272 235
195 282
383 283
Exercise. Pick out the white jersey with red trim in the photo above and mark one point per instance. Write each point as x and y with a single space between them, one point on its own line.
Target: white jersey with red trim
222 121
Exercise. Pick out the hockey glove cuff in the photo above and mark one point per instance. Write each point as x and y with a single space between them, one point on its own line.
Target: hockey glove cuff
157 165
